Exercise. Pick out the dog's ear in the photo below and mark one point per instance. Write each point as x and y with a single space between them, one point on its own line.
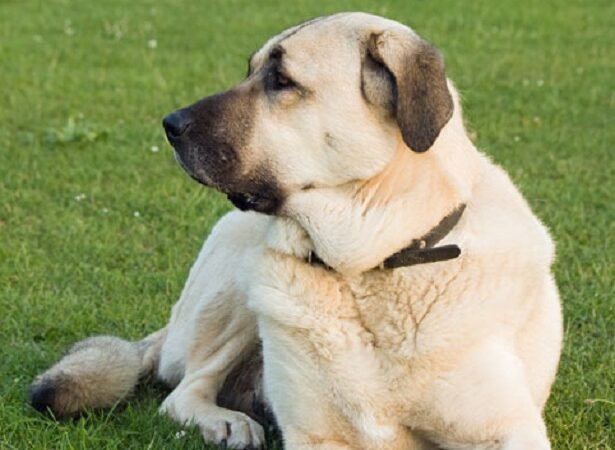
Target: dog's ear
406 75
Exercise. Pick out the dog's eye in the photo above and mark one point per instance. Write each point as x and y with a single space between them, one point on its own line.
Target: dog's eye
277 81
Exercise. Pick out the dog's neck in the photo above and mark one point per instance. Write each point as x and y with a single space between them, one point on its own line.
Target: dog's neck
356 227
420 251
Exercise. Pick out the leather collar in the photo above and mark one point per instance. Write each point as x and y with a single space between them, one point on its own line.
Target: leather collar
420 251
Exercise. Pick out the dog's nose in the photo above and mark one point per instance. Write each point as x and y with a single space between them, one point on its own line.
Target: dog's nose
176 124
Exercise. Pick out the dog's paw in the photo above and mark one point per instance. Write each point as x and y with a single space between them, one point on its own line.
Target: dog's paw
233 430
229 429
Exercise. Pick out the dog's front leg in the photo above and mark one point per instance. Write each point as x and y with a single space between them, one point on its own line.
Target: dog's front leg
209 361
221 342
212 334
194 402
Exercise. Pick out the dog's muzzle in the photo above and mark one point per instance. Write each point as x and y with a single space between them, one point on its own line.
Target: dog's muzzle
206 138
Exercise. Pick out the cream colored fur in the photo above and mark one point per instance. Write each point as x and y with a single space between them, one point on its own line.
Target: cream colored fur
459 354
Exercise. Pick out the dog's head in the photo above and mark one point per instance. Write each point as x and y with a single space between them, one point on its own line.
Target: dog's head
324 103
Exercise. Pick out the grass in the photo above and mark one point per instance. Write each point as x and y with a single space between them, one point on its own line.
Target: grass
98 226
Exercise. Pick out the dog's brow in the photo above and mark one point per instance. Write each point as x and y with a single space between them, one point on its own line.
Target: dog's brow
275 56
276 53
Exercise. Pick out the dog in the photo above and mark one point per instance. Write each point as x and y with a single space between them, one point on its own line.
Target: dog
381 284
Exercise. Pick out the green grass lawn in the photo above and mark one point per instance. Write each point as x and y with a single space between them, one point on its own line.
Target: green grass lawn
98 226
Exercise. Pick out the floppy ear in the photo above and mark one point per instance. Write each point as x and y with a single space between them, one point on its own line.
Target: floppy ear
420 99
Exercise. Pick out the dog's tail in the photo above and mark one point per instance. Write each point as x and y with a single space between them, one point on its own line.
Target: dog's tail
97 372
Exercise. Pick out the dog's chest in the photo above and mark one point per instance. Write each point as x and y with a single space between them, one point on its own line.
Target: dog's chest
392 310
361 334
404 308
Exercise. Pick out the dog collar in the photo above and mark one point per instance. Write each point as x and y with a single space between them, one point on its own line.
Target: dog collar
420 251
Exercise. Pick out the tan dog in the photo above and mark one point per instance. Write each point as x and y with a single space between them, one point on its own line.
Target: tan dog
399 283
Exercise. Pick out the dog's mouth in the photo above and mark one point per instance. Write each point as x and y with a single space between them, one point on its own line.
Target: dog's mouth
247 201
256 193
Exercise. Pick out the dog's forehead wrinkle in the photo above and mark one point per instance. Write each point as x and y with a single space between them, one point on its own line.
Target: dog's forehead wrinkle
290 32
260 55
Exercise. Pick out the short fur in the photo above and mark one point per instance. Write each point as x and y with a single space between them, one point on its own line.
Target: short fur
350 121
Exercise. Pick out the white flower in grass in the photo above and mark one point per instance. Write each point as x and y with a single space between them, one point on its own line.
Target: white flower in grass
516 139
152 43
136 214
180 434
154 148
105 210
68 28
80 197
540 83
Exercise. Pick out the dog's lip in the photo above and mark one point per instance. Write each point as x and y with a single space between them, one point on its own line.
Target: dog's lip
244 200
201 177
